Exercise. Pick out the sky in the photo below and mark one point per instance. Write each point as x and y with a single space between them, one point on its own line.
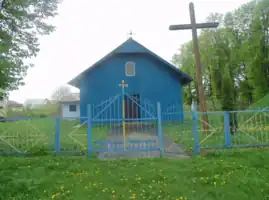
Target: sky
89 29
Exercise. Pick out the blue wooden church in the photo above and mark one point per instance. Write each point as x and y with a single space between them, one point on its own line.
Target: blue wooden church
148 76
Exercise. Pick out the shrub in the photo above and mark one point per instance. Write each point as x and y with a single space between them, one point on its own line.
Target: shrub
37 151
42 115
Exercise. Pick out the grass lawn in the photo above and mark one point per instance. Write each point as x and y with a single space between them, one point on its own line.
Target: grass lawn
261 104
224 175
42 110
39 133
252 129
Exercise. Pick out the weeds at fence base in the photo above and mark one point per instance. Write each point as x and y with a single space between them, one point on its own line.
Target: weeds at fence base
37 151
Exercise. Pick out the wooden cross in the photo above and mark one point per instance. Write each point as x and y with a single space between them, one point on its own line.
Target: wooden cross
194 26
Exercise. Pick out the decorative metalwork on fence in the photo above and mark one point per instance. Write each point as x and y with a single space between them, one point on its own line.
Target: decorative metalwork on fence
126 126
73 135
131 130
24 135
249 128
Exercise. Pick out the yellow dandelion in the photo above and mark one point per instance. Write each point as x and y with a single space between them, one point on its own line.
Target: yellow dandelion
53 196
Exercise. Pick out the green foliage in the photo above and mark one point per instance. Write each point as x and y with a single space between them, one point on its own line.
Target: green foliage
234 57
37 136
37 151
22 21
261 104
238 175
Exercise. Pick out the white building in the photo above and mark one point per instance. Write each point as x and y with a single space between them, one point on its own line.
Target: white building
34 103
70 109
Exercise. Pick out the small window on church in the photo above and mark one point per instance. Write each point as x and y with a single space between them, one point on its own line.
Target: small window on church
130 69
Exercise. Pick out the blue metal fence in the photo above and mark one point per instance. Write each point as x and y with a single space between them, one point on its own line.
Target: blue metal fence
225 130
134 130
158 133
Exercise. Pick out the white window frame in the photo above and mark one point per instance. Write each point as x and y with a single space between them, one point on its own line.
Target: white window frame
126 68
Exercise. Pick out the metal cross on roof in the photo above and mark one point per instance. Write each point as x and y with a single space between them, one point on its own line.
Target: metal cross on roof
130 34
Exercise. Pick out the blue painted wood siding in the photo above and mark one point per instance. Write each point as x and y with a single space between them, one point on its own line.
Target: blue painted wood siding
153 81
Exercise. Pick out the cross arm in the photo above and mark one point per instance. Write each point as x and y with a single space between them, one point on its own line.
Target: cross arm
189 26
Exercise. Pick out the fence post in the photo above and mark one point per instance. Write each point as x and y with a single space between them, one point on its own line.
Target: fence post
195 128
160 133
57 135
227 129
89 114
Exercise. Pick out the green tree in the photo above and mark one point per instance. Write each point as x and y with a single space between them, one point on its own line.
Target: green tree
234 57
21 22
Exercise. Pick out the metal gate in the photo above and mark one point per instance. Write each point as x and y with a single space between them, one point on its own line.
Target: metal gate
125 126
179 135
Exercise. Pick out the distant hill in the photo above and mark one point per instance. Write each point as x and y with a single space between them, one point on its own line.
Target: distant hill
46 110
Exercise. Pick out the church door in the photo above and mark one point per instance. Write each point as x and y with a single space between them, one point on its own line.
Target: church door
132 108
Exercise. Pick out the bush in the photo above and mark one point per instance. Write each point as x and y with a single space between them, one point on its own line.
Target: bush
42 115
37 151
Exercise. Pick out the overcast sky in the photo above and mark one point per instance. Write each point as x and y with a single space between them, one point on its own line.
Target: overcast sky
88 29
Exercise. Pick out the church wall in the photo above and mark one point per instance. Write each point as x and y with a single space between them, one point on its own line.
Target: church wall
153 81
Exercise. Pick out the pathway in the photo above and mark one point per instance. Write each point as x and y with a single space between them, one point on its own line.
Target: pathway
140 133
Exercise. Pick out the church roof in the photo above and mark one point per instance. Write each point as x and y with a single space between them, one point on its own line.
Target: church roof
132 46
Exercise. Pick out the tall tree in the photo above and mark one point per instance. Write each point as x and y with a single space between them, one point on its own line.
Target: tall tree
21 23
61 92
235 57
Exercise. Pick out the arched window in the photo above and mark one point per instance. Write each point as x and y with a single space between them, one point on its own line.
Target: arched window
130 68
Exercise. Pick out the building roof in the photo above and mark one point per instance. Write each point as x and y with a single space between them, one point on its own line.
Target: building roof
132 46
14 104
70 102
73 97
